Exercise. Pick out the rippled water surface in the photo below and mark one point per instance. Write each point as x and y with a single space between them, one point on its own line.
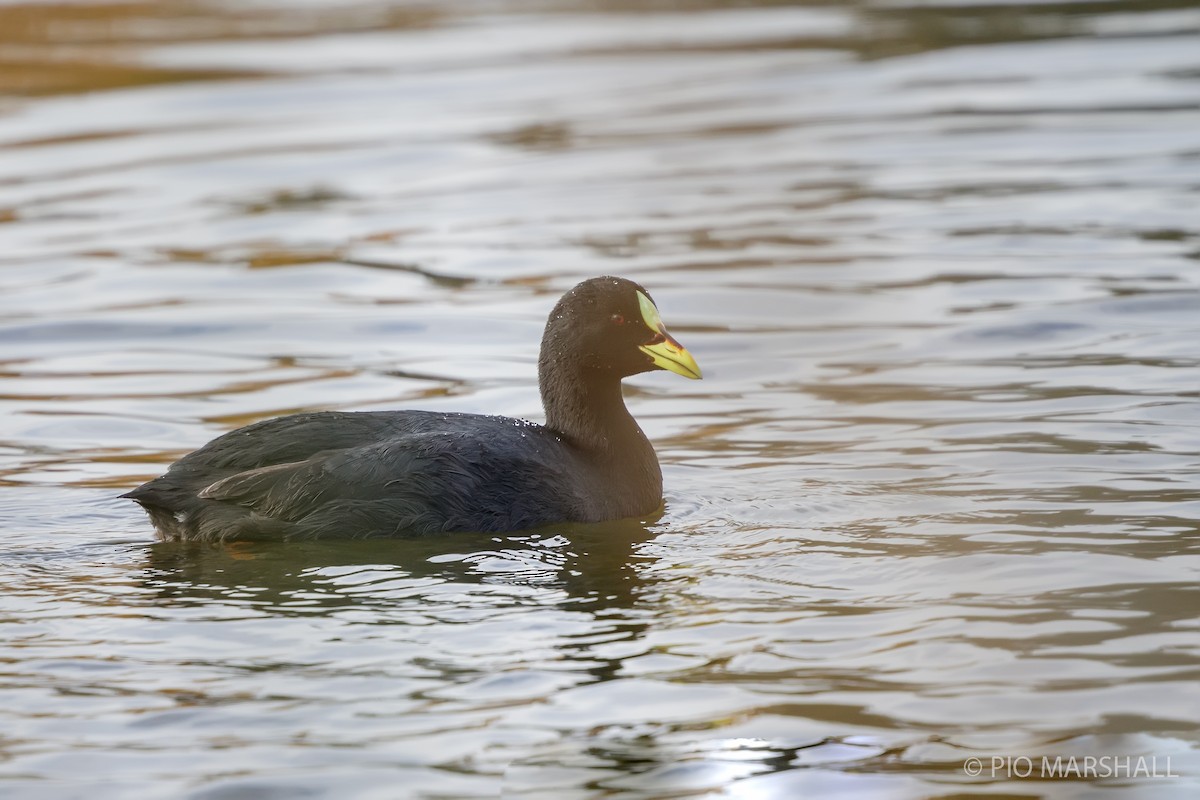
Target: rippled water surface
938 496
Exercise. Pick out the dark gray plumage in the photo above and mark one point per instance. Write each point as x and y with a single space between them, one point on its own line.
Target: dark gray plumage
395 473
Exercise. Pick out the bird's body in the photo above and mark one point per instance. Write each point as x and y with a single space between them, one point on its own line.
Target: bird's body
395 473
386 473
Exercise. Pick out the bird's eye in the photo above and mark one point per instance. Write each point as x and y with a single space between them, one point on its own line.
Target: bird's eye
617 319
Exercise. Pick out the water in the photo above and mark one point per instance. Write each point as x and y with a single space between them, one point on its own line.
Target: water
936 498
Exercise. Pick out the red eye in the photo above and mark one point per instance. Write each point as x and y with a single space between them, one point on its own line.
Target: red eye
617 319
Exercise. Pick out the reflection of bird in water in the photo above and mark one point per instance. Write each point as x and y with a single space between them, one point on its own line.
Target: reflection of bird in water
375 474
591 564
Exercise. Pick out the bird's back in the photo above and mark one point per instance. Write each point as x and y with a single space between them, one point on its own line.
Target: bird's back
372 474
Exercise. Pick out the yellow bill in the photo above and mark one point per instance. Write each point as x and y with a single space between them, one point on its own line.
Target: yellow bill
664 351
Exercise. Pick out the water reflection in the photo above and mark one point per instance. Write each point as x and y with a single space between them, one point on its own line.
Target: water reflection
53 47
937 497
591 568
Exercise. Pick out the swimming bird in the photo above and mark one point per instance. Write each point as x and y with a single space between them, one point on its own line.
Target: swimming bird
411 473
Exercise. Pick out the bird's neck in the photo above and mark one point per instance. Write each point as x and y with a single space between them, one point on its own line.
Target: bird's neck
585 406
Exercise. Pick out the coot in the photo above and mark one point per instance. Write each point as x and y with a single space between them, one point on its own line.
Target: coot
397 473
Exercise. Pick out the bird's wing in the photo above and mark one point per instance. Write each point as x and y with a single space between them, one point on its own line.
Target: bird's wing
290 439
422 483
395 470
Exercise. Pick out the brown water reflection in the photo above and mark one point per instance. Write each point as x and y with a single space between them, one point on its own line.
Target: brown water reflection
936 498
67 48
